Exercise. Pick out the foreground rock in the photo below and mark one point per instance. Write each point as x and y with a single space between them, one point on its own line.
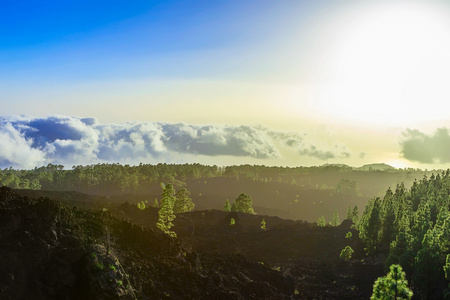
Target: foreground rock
48 251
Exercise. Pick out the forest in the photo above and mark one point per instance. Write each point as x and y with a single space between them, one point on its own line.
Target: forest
304 193
116 178
412 227
325 232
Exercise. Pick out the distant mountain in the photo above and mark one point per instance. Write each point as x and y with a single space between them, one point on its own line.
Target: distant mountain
336 165
376 167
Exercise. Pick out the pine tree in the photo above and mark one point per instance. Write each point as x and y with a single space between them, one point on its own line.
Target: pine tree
355 214
388 230
447 267
401 248
335 221
233 206
444 235
428 265
370 225
263 224
155 203
166 215
443 227
393 286
442 216
321 222
227 206
244 204
183 203
447 276
349 213
421 224
346 253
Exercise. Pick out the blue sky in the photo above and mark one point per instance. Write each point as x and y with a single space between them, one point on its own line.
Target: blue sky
79 57
337 75
84 40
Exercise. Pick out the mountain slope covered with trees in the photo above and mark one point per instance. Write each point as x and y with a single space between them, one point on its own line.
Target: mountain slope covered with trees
411 228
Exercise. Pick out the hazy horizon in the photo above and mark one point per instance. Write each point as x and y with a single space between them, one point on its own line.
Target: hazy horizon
288 83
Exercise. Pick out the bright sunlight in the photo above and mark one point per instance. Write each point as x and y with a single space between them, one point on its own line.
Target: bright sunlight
388 64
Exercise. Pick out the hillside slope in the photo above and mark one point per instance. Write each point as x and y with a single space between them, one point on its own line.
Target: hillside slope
51 252
52 249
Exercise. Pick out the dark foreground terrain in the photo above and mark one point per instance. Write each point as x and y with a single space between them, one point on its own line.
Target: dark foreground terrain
52 248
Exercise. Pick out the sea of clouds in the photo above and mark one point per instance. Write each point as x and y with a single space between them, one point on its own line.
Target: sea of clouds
27 142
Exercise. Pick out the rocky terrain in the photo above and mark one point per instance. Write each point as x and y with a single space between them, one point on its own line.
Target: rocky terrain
55 247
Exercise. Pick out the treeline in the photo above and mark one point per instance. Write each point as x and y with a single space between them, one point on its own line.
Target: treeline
116 178
411 227
105 178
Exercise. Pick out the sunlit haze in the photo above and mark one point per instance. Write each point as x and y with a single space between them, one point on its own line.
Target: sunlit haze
384 62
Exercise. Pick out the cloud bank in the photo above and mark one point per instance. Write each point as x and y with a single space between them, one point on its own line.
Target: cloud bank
423 148
28 142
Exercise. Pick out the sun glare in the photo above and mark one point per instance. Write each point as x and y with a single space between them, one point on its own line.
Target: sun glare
388 64
399 164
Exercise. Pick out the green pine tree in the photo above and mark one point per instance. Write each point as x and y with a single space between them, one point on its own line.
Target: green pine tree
233 206
355 214
183 203
421 224
321 222
335 221
393 286
447 276
227 206
388 214
443 227
244 204
428 265
349 213
401 248
263 224
346 253
370 226
165 213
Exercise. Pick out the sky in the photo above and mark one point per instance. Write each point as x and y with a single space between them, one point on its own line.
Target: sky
288 83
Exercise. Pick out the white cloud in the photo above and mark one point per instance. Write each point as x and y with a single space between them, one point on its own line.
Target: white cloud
28 142
16 150
426 148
